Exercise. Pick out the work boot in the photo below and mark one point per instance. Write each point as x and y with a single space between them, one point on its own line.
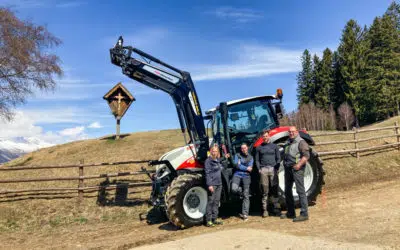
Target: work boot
277 212
218 222
265 214
300 218
243 217
210 224
288 216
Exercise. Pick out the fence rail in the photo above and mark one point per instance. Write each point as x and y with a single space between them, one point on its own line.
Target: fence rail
81 178
356 141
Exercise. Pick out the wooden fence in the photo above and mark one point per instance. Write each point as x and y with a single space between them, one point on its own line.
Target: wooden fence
81 188
356 140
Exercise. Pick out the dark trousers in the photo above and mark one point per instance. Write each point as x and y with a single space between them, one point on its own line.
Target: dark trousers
213 203
296 176
236 181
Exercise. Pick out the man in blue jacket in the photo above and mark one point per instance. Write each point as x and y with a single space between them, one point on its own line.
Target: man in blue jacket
244 165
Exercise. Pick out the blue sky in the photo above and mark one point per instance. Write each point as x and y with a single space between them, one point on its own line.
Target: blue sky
233 49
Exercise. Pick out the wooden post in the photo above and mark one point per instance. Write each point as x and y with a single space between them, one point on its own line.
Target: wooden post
118 128
355 143
397 133
80 191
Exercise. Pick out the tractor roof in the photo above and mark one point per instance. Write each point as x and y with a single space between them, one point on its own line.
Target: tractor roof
210 111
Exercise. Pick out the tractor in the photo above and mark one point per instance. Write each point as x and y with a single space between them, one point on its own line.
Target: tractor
178 184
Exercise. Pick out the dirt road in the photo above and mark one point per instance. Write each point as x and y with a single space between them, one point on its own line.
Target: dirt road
253 239
363 214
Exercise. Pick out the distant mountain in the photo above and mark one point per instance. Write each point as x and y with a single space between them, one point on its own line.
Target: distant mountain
15 147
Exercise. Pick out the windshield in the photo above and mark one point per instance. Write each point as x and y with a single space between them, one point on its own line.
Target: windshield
245 121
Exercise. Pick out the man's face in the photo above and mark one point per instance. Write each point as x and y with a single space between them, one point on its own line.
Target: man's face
214 152
293 132
244 149
266 137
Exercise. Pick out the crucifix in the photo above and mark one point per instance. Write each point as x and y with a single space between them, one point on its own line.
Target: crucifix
119 97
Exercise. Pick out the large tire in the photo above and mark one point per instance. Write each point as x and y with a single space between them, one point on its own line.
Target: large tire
186 200
313 181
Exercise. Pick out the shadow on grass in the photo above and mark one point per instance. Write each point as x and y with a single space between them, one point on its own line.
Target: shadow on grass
104 198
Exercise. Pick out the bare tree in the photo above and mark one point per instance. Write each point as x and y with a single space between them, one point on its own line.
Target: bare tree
346 115
310 117
25 62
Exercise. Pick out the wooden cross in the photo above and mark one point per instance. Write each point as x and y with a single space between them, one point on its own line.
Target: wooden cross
119 97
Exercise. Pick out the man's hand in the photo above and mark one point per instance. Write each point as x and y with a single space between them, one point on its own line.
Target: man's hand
211 189
249 169
296 167
227 155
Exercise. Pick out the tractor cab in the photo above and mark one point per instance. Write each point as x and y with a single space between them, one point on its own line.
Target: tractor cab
241 121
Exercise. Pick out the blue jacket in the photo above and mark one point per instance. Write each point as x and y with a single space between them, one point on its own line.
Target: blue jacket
212 170
245 162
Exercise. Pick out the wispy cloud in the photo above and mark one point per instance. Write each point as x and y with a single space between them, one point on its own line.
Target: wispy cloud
70 4
251 61
71 115
240 15
144 38
29 4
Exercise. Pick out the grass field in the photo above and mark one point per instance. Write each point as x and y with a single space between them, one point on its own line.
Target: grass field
56 211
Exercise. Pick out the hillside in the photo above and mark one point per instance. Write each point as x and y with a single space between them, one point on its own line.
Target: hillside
49 212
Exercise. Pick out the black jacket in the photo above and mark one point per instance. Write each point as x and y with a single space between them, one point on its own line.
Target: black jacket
267 154
212 170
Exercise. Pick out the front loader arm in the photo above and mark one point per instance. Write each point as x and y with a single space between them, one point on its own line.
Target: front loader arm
178 84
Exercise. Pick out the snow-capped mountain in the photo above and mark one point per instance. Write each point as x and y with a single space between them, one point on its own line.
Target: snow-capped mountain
15 147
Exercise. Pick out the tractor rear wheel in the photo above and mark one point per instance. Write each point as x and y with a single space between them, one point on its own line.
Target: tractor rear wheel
186 200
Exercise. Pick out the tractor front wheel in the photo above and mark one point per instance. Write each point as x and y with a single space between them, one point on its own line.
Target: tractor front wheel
186 200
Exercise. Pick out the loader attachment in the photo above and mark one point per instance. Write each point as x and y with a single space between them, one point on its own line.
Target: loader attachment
177 83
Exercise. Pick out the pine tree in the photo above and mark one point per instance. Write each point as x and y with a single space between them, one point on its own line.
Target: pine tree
351 59
316 79
393 12
336 95
304 79
383 67
325 82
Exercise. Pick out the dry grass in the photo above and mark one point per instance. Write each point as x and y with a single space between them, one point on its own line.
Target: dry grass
56 211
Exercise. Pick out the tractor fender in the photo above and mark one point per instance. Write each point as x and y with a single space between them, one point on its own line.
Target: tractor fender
281 134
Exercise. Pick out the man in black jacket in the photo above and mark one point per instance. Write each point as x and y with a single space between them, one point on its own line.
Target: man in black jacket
267 162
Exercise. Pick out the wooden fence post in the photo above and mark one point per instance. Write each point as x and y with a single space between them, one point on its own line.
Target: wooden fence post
355 143
80 185
397 133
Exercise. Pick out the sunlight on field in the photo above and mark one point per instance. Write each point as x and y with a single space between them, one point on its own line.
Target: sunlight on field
46 212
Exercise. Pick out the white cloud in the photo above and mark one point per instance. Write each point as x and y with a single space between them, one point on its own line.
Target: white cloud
95 125
72 131
24 125
251 61
240 15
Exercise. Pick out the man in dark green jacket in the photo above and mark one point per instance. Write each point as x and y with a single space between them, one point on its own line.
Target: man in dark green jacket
296 156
